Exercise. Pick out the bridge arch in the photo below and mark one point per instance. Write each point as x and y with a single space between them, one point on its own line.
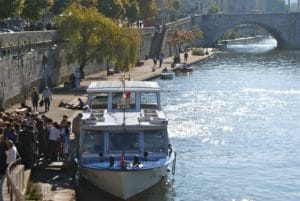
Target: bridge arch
284 27
271 30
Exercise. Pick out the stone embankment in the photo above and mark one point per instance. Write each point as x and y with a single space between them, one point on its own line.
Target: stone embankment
56 179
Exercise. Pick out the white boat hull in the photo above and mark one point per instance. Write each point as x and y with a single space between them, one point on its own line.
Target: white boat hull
124 184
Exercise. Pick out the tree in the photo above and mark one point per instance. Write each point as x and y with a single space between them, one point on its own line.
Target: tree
34 9
10 8
214 9
132 10
93 36
89 3
113 9
183 37
148 9
174 4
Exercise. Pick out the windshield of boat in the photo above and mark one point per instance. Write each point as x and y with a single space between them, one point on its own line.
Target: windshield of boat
124 141
155 141
149 100
99 101
93 141
122 100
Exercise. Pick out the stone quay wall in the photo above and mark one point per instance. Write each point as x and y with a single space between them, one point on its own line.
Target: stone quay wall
38 58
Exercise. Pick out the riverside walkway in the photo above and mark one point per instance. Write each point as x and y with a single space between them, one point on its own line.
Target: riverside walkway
55 179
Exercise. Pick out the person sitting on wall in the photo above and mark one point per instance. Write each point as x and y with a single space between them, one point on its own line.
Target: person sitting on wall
81 104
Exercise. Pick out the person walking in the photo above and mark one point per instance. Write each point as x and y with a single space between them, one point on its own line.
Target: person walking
161 58
47 96
35 99
186 55
154 61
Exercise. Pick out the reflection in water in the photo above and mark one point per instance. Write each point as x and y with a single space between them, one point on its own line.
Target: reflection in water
234 122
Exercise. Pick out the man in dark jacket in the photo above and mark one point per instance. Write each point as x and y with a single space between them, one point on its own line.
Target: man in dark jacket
26 145
2 157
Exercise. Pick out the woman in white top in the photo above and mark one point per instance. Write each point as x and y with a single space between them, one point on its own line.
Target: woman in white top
11 153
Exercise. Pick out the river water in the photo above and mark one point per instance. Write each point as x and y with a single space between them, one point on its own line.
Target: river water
235 124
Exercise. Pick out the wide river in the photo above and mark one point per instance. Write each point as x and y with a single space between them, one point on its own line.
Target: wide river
235 124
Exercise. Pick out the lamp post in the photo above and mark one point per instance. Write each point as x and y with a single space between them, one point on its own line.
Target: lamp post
49 43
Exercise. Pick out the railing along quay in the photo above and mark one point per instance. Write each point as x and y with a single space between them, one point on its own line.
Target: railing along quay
15 181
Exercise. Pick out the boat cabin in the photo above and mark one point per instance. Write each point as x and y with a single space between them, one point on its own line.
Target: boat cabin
124 116
116 96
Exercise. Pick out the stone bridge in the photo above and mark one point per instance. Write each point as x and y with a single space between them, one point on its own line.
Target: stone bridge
284 27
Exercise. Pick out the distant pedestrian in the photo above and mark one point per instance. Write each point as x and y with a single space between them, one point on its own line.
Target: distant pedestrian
161 58
66 129
35 99
186 55
154 61
47 96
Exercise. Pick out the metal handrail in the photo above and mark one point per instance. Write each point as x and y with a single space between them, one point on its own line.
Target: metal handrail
13 190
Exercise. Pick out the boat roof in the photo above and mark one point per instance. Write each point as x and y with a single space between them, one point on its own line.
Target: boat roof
117 86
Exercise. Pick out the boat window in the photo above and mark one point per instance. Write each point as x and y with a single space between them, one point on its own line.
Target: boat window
123 141
149 100
93 141
121 100
154 141
99 101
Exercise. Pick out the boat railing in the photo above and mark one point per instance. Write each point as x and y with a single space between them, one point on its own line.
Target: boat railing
15 181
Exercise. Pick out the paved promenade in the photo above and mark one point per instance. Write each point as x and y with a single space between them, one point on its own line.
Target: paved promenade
57 182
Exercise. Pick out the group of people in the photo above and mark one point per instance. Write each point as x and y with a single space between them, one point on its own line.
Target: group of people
44 101
31 136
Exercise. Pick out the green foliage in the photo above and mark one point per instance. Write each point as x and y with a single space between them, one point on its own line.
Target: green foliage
181 37
132 10
93 36
148 9
230 34
198 52
34 9
10 8
174 4
214 9
113 9
89 3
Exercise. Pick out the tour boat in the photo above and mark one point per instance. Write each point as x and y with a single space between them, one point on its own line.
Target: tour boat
167 74
124 143
186 68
